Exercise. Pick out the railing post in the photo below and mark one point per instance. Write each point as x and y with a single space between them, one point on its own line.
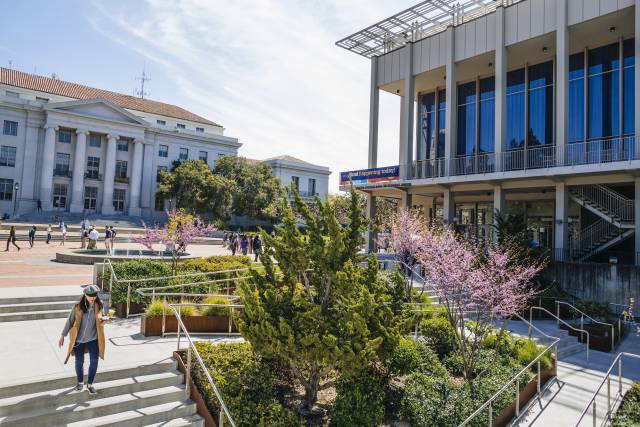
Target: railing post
178 320
128 299
582 321
608 396
164 314
620 376
595 416
557 314
221 418
517 398
538 382
490 415
613 338
187 381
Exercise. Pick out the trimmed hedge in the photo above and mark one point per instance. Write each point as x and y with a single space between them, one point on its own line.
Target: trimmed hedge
359 399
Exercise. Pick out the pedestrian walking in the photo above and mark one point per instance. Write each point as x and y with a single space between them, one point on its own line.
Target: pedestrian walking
39 205
83 237
244 244
49 231
93 238
107 238
257 247
32 236
113 236
85 327
250 243
12 238
233 245
63 231
225 236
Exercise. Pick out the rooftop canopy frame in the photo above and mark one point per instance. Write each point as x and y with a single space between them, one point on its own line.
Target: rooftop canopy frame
415 23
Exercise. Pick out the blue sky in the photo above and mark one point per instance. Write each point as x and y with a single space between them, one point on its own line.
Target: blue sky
267 70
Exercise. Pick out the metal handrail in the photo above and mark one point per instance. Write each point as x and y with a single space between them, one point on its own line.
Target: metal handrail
590 237
614 202
224 412
583 315
607 379
559 321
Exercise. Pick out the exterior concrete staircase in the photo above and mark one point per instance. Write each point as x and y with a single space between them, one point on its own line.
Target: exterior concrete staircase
148 395
35 308
616 223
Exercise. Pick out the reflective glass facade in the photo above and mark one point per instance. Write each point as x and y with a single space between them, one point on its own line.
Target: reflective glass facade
442 120
575 103
487 125
628 86
515 109
431 128
476 117
604 91
466 119
540 109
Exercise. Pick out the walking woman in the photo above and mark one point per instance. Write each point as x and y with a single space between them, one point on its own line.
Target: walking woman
12 238
86 334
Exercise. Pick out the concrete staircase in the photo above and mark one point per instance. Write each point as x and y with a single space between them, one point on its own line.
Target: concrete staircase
35 308
138 396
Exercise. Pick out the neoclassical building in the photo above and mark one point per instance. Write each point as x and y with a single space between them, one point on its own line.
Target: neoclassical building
77 148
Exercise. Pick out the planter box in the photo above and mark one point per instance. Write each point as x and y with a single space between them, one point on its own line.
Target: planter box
134 308
196 396
152 326
596 342
526 394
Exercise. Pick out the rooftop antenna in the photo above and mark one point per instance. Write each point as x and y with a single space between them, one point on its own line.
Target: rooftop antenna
143 79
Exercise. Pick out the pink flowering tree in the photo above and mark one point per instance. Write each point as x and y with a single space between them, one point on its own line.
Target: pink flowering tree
476 285
406 229
181 229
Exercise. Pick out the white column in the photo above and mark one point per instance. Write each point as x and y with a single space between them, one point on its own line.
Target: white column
371 214
448 207
450 118
146 197
79 159
561 221
28 185
636 205
374 111
501 84
562 77
407 116
46 173
136 178
499 204
109 174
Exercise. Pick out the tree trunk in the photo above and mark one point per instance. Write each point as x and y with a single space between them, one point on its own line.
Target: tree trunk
311 391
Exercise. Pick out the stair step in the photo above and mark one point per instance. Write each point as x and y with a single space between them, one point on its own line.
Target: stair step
571 350
67 395
101 376
148 415
36 306
194 420
97 407
33 315
40 299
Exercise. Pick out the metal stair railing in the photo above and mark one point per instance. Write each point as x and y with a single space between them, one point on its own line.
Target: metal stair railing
618 394
582 331
612 203
591 237
584 315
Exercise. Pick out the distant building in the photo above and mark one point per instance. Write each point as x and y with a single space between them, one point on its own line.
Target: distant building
310 180
77 148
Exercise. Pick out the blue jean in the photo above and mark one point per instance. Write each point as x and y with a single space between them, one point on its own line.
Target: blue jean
78 351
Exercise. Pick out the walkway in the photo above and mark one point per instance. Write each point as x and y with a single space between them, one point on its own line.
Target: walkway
578 379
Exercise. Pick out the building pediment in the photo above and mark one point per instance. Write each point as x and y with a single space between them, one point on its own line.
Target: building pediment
98 108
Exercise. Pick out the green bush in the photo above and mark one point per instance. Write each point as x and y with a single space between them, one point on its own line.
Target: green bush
628 414
156 308
135 269
414 356
215 311
359 399
187 310
528 350
248 385
596 309
439 335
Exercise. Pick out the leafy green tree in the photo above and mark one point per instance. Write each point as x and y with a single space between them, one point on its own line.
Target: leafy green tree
321 311
385 208
195 188
256 189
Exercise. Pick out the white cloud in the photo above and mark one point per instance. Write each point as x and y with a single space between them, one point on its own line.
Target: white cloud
268 71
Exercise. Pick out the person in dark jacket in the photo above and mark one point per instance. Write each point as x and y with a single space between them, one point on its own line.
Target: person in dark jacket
32 236
12 238
257 247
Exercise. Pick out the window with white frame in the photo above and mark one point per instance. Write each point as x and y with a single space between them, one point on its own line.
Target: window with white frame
95 141
161 122
121 168
312 187
8 156
200 130
90 198
123 145
60 195
6 189
63 160
181 126
184 154
64 136
163 151
203 156
118 199
93 168
10 128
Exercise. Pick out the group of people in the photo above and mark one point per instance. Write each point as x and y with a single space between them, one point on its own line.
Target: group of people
243 243
89 236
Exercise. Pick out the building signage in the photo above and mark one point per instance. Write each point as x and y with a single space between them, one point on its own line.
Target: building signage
370 176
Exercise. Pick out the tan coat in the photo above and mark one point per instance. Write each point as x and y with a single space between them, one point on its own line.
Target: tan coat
73 332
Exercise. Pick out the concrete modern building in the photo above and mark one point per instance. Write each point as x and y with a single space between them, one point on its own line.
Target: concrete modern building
310 180
527 104
77 148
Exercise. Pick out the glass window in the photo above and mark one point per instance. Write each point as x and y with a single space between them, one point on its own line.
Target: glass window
159 202
62 164
60 195
95 141
6 189
10 128
121 168
123 145
118 199
163 151
90 198
575 128
515 109
184 154
12 94
442 120
487 122
181 126
427 127
312 186
628 87
296 182
200 130
541 104
466 118
604 80
8 156
161 122
203 156
93 168
64 136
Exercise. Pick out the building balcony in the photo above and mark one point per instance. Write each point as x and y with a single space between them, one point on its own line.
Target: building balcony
121 179
63 172
93 175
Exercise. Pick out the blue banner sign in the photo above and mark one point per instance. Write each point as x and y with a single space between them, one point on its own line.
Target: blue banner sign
370 176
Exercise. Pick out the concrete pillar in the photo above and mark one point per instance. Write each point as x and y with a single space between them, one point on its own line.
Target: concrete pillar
499 204
636 209
146 199
46 173
109 174
406 201
448 207
371 214
136 178
407 113
374 112
637 80
26 163
561 232
450 119
77 184
562 78
500 65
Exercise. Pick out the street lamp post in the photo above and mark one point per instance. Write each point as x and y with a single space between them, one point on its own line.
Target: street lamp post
16 187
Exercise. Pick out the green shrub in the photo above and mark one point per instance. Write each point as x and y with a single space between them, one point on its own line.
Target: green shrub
596 309
502 342
156 308
135 269
215 311
247 384
187 310
628 414
412 355
528 350
359 399
439 335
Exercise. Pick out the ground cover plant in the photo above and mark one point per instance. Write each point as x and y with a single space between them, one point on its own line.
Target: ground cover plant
628 414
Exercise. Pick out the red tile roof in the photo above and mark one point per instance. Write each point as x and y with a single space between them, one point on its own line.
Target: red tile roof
73 90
